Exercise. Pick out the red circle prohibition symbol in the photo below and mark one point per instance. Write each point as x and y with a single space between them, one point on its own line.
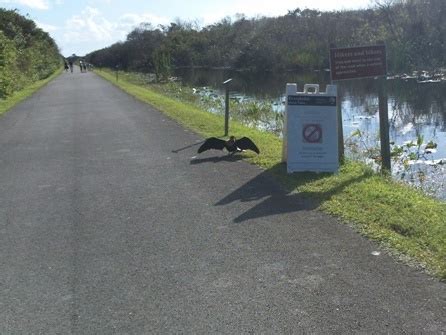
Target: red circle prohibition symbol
312 133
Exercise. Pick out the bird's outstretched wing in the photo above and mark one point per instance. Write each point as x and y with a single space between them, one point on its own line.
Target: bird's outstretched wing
245 143
212 143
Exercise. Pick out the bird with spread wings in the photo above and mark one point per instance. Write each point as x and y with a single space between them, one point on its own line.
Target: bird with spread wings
232 145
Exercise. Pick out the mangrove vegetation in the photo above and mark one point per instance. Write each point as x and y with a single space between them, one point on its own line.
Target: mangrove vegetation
413 31
27 53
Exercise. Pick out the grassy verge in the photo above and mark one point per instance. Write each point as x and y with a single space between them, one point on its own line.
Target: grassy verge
21 95
403 219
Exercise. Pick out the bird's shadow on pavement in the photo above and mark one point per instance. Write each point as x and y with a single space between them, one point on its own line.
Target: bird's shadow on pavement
277 196
216 159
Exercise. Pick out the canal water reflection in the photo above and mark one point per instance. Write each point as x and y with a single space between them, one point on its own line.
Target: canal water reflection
416 111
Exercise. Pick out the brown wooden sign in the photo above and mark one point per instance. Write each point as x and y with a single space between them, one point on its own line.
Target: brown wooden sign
358 62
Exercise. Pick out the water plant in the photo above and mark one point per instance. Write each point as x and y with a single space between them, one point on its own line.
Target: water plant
403 219
412 161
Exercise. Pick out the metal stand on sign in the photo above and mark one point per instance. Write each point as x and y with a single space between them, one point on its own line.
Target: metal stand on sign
226 84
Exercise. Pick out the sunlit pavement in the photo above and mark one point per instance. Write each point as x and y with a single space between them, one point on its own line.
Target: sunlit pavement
111 224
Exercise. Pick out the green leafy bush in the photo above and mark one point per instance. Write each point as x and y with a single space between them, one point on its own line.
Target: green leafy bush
8 58
27 53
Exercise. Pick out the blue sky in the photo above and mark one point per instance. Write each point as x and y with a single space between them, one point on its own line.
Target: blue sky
86 25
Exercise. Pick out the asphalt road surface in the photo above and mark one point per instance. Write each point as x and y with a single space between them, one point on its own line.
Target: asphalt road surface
109 225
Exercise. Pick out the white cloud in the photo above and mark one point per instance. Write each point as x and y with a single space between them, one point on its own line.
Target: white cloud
254 8
102 2
130 20
49 28
91 27
37 4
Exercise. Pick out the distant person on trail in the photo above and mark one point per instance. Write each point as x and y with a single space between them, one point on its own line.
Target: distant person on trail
83 66
70 63
65 66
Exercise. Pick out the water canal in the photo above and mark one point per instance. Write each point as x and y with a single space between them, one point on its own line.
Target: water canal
417 115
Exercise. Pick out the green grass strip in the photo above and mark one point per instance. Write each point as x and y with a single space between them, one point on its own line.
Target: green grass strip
17 97
409 223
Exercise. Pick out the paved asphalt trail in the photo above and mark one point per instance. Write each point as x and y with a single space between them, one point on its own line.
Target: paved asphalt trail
109 226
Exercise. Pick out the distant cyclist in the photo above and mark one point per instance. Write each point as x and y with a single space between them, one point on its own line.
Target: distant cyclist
70 63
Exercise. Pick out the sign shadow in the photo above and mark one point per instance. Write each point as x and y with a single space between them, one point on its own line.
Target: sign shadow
276 199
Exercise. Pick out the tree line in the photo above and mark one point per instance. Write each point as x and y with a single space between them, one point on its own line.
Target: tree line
413 30
27 53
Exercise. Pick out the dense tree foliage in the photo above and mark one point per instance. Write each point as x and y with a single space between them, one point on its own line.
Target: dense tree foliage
413 30
27 53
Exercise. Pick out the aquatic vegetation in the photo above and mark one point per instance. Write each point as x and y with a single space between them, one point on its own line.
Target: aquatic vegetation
412 162
407 221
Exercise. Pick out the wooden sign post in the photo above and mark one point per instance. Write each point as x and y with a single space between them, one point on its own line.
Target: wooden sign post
363 62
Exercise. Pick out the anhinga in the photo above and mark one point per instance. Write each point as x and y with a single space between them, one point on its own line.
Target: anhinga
232 145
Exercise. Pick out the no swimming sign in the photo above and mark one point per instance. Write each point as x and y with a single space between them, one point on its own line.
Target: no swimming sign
311 137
